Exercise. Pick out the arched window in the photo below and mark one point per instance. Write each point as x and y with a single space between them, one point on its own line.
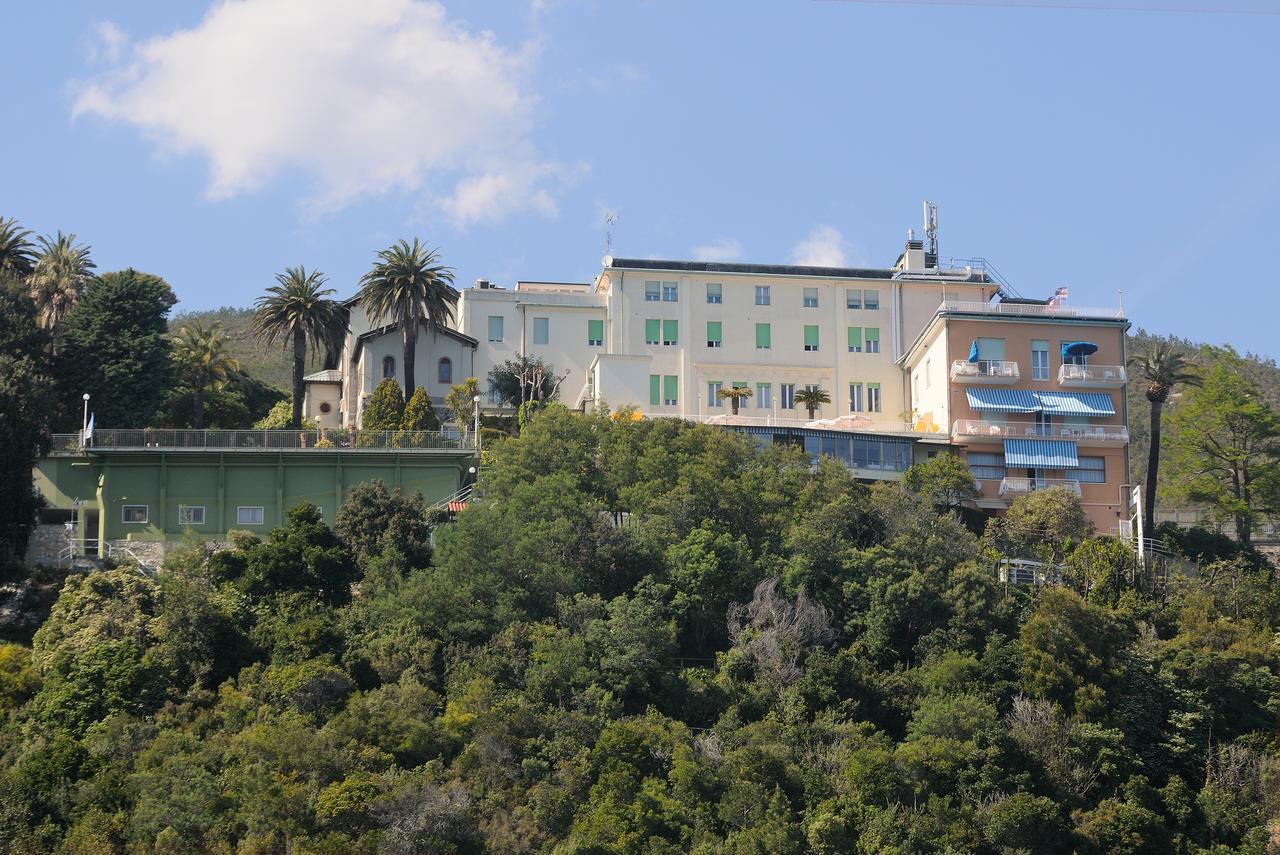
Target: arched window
444 372
388 367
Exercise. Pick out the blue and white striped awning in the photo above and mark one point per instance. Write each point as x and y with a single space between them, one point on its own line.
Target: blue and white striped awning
1041 453
1076 403
995 400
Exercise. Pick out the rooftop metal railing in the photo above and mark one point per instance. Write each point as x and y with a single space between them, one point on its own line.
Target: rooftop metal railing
1030 310
261 440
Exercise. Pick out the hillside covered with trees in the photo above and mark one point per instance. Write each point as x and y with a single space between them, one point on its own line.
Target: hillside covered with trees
652 637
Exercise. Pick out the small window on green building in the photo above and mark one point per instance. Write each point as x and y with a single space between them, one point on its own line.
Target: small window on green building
713 333
764 337
811 337
595 333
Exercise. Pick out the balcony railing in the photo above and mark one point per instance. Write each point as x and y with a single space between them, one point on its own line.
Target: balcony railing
1030 310
261 440
984 371
1024 486
1096 376
978 430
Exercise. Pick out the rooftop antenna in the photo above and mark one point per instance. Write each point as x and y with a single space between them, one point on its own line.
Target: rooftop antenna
931 226
609 219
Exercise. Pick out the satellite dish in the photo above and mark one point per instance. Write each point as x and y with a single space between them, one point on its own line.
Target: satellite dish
607 261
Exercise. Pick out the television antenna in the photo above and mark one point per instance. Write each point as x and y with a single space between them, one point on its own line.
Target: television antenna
609 219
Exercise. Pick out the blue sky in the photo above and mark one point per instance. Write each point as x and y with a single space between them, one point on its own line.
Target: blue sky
217 144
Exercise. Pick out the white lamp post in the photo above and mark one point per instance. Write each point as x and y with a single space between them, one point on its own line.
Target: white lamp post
476 401
84 427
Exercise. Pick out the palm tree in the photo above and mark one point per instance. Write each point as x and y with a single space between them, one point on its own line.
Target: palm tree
812 397
202 361
17 253
409 285
734 396
1162 369
297 311
61 272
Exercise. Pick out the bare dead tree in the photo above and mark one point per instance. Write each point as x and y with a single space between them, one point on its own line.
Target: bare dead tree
776 633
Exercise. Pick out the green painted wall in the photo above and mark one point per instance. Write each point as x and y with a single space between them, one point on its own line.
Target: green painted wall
165 481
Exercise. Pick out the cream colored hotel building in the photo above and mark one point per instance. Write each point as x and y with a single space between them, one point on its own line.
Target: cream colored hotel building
916 358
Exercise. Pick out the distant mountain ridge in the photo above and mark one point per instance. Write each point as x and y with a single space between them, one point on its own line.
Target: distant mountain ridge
270 366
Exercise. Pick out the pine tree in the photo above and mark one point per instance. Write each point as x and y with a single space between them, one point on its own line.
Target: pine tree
386 407
419 414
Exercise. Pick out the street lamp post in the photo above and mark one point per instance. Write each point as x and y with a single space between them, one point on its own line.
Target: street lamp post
476 401
84 427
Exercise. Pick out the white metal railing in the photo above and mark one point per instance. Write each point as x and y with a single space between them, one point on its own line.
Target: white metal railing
1023 486
993 368
260 440
854 422
979 429
1103 374
1030 310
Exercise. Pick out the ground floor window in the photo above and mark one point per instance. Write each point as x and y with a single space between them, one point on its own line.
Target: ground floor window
134 514
249 516
190 514
764 396
788 396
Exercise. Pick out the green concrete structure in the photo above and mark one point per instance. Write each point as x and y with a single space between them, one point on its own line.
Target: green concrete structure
158 485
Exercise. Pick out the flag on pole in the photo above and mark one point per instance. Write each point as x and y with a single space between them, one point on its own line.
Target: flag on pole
88 432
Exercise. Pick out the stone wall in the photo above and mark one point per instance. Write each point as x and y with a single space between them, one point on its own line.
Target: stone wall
47 543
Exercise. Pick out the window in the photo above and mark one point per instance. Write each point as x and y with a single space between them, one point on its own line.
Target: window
133 514
715 292
990 349
1039 359
714 387
670 390
870 300
873 397
495 328
670 332
1092 470
652 292
493 396
249 516
388 367
872 335
762 295
811 298
670 292
811 337
764 337
986 466
928 373
764 396
855 397
713 333
1044 424
788 396
444 370
655 389
853 298
541 330
653 331
595 333
190 514
855 339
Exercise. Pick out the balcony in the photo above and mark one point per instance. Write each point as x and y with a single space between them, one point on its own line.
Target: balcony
985 371
1026 486
1092 376
1034 310
976 430
164 439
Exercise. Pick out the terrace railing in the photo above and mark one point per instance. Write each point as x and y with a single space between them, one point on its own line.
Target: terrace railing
261 440
1023 486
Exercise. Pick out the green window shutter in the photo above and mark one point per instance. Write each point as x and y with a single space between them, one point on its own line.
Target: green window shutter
713 330
873 333
595 330
811 335
670 387
655 389
652 330
739 384
670 330
855 338
762 335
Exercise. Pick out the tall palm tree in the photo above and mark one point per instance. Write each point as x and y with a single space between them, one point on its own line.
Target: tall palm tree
298 311
1162 369
735 396
201 358
812 398
62 270
17 252
410 286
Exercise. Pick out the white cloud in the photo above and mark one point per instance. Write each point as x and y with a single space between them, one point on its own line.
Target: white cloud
822 247
724 249
108 42
360 98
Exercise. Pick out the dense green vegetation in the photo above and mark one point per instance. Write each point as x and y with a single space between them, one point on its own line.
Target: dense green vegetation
271 365
651 637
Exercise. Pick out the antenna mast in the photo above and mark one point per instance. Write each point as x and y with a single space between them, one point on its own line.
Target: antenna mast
609 219
931 226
